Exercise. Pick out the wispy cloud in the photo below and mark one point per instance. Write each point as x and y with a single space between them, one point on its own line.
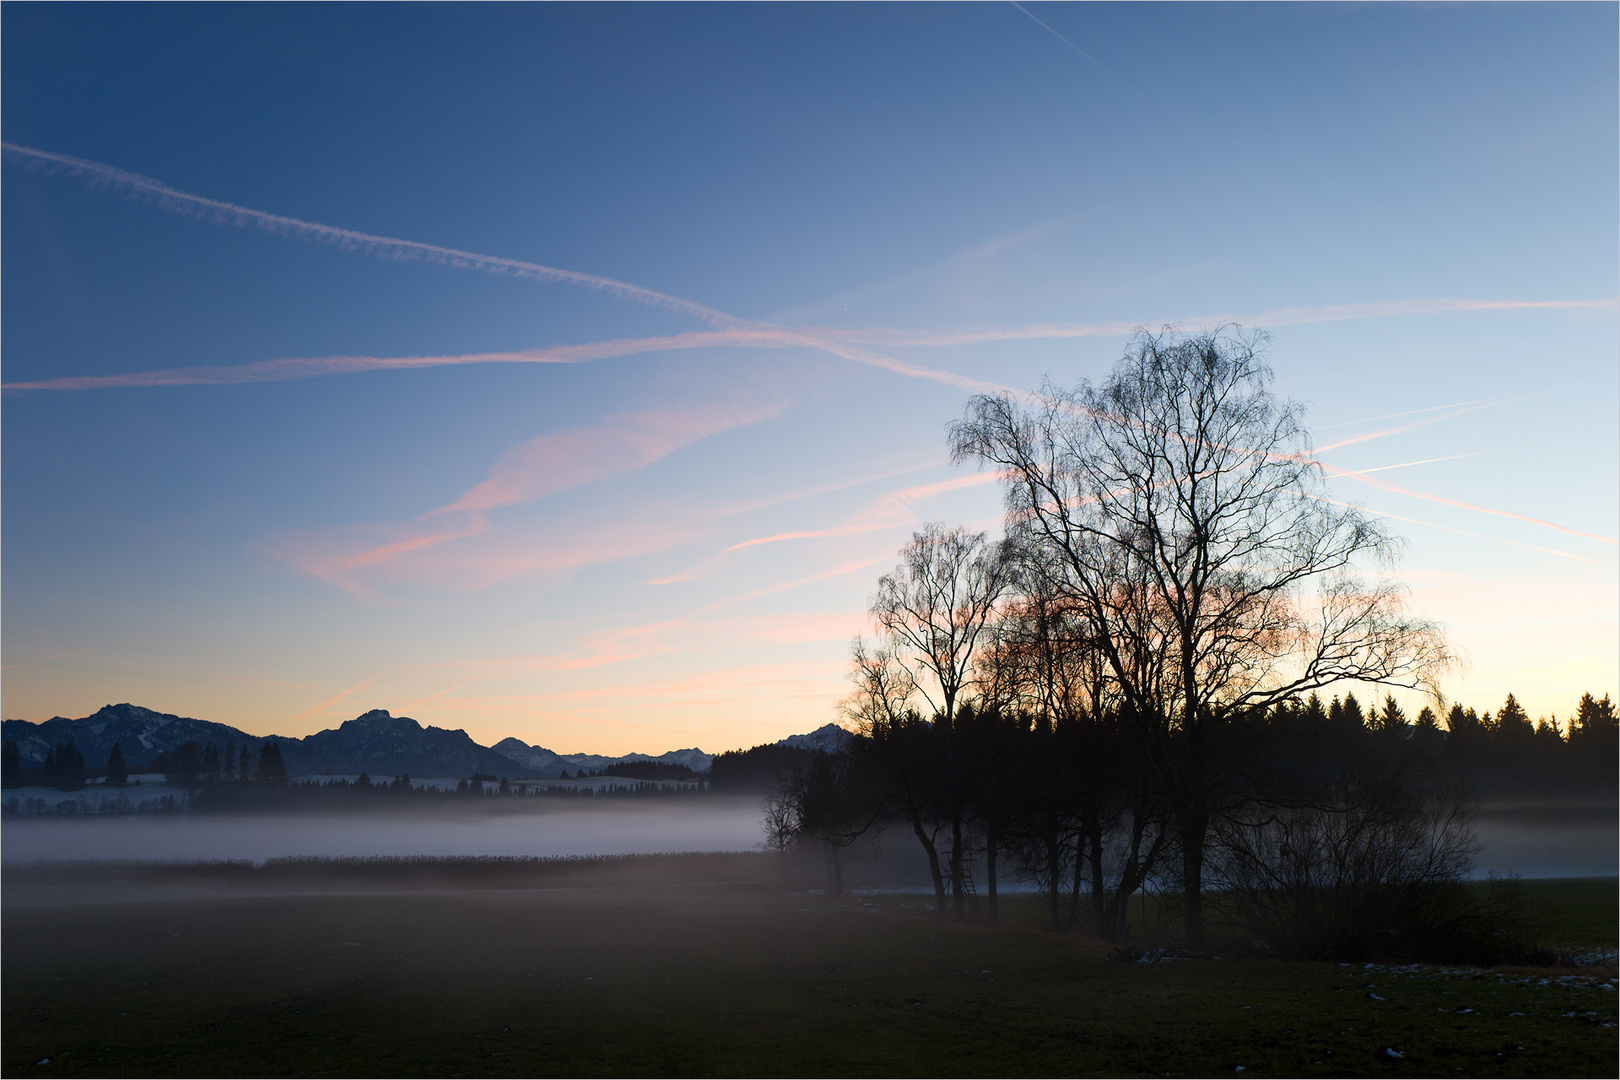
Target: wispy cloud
891 510
545 465
42 659
331 702
631 642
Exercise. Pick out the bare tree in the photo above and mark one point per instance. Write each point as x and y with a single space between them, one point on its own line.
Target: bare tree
1178 508
935 610
883 714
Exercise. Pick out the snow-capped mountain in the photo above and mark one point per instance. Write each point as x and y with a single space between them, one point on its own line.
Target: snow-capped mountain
373 742
142 732
829 738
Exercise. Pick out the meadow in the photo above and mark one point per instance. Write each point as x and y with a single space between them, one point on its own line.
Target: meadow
705 965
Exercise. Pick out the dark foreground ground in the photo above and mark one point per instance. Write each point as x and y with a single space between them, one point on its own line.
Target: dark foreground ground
241 974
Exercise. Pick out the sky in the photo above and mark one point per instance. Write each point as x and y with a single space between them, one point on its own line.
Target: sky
573 372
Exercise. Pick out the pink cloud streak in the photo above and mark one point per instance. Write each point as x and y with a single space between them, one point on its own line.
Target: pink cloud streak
545 465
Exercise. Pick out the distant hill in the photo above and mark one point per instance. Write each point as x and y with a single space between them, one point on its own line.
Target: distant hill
542 762
376 742
143 733
373 742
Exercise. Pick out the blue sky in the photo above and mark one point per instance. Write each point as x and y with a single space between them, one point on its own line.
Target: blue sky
886 206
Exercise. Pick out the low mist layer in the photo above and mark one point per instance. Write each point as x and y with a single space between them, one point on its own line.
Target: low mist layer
1533 839
713 825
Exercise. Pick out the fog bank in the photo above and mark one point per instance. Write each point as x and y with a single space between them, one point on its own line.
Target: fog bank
1546 839
713 825
1532 839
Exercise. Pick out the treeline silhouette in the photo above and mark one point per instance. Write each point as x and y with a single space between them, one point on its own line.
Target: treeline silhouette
245 778
189 766
1075 804
637 770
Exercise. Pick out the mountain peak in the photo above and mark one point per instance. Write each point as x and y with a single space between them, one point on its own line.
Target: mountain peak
381 719
829 738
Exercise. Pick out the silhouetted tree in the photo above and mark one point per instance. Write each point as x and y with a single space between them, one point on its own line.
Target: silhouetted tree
10 765
64 767
271 766
833 801
1178 507
1352 717
750 772
903 742
1513 723
1594 722
117 768
935 610
1390 720
185 765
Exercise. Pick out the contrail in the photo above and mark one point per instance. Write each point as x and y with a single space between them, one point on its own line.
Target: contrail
1397 489
182 202
1402 429
1397 415
835 341
318 367
1291 316
1425 461
282 370
736 331
1460 532
1095 63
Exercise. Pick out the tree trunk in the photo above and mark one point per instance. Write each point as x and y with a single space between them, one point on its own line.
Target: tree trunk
959 900
990 873
1054 880
933 861
1079 873
1097 882
1192 877
835 871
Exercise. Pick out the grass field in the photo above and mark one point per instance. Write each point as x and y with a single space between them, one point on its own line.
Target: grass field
733 978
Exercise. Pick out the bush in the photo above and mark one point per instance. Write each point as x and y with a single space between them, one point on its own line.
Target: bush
1373 871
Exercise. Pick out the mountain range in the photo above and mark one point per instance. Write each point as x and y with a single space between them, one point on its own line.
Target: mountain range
373 742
